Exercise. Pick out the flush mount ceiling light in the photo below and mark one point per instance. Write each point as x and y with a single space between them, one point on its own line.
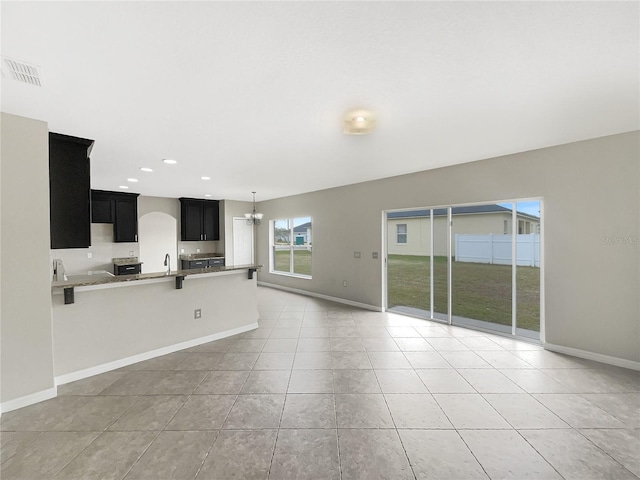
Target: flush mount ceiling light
169 161
146 169
205 178
359 122
132 180
124 187
253 218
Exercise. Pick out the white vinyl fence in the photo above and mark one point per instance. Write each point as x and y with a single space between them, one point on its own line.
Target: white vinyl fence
496 249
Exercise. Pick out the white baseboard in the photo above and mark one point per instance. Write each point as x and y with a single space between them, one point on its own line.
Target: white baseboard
107 367
344 301
597 357
28 400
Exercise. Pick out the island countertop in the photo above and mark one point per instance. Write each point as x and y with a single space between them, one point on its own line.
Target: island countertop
103 280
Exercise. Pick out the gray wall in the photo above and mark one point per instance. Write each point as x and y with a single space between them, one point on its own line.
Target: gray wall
590 191
25 326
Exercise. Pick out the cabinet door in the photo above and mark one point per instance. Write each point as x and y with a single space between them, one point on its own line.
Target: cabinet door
101 208
210 221
126 220
198 264
69 191
191 221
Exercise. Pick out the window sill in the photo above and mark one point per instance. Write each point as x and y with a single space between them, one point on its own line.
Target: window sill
294 275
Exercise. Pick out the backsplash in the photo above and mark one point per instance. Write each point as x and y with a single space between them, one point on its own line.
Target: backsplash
102 250
204 247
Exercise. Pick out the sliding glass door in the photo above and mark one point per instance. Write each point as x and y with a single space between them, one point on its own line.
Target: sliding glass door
528 266
482 278
409 262
469 265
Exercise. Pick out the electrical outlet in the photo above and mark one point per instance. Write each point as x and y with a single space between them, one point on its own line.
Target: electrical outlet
131 253
89 255
197 313
197 250
182 250
374 255
344 284
356 254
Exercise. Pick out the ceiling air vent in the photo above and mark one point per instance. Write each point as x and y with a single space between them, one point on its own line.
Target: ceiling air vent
22 72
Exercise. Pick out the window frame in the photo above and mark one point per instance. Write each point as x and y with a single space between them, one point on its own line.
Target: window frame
405 233
291 246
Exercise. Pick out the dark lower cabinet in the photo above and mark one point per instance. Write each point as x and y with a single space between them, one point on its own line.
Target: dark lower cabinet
127 269
187 264
199 220
69 191
118 208
203 263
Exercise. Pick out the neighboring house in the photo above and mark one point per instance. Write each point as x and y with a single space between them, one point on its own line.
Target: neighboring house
408 232
302 234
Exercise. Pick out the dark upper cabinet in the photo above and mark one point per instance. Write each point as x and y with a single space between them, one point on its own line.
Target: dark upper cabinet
102 207
211 221
191 219
199 219
125 225
118 208
69 191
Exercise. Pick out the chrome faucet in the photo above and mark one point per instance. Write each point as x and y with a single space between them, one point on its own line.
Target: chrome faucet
167 263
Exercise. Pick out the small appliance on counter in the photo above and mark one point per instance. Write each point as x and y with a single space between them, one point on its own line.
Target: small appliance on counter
126 266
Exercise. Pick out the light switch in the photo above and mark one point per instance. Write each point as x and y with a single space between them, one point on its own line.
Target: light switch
356 254
374 255
89 255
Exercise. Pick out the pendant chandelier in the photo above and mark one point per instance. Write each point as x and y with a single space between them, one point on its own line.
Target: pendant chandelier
253 218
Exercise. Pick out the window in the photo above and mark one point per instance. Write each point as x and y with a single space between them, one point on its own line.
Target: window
291 245
401 233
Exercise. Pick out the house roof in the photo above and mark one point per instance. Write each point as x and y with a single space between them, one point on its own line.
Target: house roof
302 228
466 210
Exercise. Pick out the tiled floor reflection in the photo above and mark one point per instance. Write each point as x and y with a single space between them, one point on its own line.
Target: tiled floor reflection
324 391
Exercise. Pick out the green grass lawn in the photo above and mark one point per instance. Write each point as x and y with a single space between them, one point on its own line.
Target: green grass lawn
301 261
480 291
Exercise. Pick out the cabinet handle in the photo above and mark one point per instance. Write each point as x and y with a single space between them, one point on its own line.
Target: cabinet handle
200 236
205 236
136 237
130 268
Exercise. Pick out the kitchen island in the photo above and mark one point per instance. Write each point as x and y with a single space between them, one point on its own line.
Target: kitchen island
117 321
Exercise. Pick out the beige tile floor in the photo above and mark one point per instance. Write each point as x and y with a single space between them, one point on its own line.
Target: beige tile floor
324 391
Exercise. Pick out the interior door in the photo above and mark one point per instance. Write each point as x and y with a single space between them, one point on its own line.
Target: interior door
242 242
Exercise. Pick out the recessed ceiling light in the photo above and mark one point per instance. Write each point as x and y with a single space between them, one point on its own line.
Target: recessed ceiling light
132 180
205 178
207 194
170 161
124 187
146 169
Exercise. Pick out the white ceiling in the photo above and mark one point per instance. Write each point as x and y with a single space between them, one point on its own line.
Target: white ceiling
253 94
